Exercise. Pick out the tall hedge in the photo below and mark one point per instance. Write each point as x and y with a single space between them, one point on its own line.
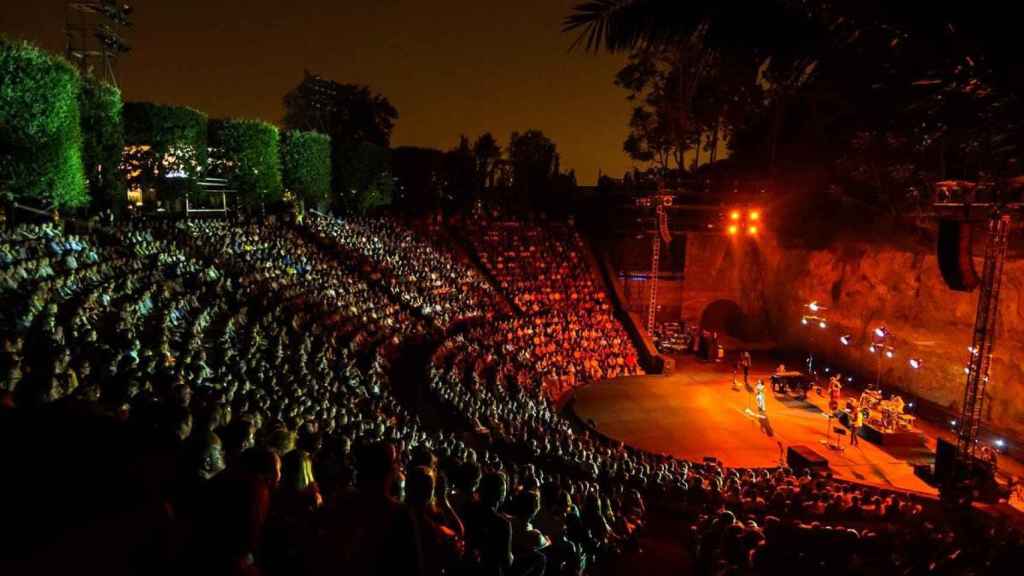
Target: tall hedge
246 152
164 141
306 165
40 137
100 109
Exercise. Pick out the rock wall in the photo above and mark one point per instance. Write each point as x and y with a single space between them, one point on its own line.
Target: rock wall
864 286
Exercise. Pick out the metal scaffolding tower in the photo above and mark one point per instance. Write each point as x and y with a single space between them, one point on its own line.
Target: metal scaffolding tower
660 201
983 341
93 31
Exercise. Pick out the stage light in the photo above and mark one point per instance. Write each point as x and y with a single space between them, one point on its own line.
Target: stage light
826 369
889 354
952 423
916 363
999 442
752 230
733 229
871 348
734 215
910 404
814 306
881 332
804 320
967 369
846 339
849 378
972 350
754 215
822 325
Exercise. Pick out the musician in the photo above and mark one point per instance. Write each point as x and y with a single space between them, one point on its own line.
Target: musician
759 398
856 421
745 365
897 404
835 393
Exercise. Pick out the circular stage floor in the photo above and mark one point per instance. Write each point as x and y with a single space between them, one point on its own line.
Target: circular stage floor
695 412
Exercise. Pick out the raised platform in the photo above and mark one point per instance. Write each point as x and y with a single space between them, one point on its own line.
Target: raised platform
695 412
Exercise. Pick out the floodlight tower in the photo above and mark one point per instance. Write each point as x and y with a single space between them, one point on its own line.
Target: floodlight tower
659 201
94 32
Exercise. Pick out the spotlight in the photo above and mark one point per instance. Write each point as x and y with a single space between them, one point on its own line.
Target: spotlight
871 348
733 229
846 339
910 404
734 215
814 306
849 378
822 325
754 215
999 442
752 230
804 320
889 354
826 369
916 363
952 423
967 369
881 332
972 350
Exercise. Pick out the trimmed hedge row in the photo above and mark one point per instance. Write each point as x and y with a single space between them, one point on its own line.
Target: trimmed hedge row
40 136
66 141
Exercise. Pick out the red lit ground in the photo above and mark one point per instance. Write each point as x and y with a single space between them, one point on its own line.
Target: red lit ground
695 413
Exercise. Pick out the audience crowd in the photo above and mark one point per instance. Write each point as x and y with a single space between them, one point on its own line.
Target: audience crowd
259 363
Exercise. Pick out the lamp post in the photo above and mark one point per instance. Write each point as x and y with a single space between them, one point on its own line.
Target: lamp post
813 321
880 345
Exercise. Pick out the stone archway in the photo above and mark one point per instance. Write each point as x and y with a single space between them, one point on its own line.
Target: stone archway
723 316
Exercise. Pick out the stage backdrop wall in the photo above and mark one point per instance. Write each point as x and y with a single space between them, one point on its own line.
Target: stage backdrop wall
864 286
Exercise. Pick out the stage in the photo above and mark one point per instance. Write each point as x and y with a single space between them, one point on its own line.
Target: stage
695 412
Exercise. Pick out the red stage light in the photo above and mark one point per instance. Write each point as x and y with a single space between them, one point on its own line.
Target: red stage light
734 215
733 229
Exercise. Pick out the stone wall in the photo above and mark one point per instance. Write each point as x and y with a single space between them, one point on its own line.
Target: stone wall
864 286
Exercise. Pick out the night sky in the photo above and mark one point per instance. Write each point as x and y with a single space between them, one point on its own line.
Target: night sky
449 66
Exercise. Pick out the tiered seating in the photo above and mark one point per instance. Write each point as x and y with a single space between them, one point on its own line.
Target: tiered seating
234 348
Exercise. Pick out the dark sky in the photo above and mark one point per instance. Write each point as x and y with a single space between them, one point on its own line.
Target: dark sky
449 66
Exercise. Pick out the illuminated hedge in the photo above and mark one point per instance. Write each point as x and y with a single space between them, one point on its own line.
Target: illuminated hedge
306 165
246 153
40 138
102 142
164 144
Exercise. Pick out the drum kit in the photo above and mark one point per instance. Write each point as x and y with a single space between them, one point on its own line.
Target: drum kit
886 414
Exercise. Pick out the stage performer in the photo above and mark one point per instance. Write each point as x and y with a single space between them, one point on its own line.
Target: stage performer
835 393
856 421
745 365
759 398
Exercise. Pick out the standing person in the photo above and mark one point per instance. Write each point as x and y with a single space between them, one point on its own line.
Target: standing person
745 365
856 421
759 398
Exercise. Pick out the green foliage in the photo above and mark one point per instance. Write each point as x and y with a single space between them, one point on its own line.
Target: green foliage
345 112
306 165
246 153
362 176
165 147
40 137
102 142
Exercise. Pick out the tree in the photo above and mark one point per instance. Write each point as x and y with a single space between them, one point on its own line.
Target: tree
306 165
363 177
100 110
535 161
40 136
345 112
246 152
420 178
486 153
165 148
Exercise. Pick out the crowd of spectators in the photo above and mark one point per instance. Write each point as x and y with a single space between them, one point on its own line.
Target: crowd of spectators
256 363
567 335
